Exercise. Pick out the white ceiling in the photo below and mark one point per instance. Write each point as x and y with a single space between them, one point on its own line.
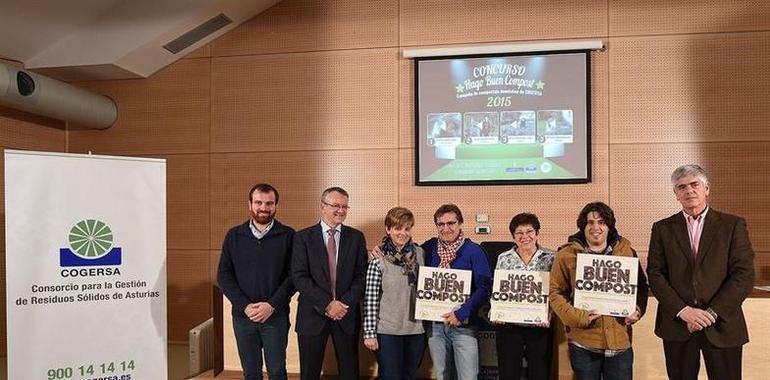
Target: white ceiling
108 39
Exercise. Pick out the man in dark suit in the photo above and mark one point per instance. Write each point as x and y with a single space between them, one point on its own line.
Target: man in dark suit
328 269
700 268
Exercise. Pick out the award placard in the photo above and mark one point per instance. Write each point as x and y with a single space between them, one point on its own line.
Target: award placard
519 296
607 284
439 291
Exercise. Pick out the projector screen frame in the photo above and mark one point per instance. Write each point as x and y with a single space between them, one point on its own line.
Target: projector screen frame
493 182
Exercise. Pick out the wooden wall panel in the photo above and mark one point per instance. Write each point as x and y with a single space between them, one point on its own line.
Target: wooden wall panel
201 52
633 17
309 101
428 22
557 206
761 265
188 200
406 98
369 176
739 173
21 130
600 98
214 255
690 88
189 291
167 113
313 25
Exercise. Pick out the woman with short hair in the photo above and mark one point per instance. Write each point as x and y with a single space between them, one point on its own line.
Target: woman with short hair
516 341
397 339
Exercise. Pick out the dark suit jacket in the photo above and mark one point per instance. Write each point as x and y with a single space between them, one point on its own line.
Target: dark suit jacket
720 277
310 272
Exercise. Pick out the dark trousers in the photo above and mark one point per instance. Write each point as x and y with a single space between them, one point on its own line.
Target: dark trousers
683 359
514 342
399 356
313 347
589 365
252 338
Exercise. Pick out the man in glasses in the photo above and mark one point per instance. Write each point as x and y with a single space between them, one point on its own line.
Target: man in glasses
328 269
453 344
254 275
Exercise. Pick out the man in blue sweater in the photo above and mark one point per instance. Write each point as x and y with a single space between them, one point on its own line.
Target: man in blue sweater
254 275
453 344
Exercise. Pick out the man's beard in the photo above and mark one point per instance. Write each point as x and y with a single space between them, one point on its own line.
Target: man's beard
263 218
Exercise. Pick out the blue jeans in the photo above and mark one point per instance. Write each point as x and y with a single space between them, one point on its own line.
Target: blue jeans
454 350
399 356
594 366
270 336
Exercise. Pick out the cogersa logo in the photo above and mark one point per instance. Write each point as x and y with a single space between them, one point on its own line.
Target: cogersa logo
91 245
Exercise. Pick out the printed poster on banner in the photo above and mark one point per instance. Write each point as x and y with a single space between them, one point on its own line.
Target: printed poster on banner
519 296
86 266
440 291
607 284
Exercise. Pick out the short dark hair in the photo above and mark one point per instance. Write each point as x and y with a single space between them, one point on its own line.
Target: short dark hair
447 208
604 211
263 188
333 189
524 219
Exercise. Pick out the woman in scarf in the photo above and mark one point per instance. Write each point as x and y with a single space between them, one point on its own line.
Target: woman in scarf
397 339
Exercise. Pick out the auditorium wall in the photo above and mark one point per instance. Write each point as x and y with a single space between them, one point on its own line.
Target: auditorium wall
315 93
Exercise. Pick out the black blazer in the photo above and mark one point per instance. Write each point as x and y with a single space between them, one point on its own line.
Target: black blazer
720 277
310 272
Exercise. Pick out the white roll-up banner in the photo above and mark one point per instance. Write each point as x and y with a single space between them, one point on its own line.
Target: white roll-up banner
85 266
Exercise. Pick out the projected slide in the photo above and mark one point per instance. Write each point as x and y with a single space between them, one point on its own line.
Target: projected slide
503 119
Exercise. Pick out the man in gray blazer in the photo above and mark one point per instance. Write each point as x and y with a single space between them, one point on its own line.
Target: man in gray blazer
328 269
700 268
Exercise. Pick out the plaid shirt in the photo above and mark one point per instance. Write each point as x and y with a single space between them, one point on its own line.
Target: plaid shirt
372 298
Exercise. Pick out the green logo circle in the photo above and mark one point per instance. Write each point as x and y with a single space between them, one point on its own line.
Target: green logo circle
90 239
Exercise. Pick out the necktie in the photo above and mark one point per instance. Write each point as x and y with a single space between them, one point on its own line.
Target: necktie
331 254
695 233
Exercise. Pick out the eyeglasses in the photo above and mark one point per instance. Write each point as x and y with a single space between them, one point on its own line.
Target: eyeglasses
448 224
527 232
336 206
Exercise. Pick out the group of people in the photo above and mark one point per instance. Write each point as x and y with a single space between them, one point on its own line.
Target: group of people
700 268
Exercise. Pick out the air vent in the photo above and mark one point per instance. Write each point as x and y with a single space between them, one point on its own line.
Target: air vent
200 32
